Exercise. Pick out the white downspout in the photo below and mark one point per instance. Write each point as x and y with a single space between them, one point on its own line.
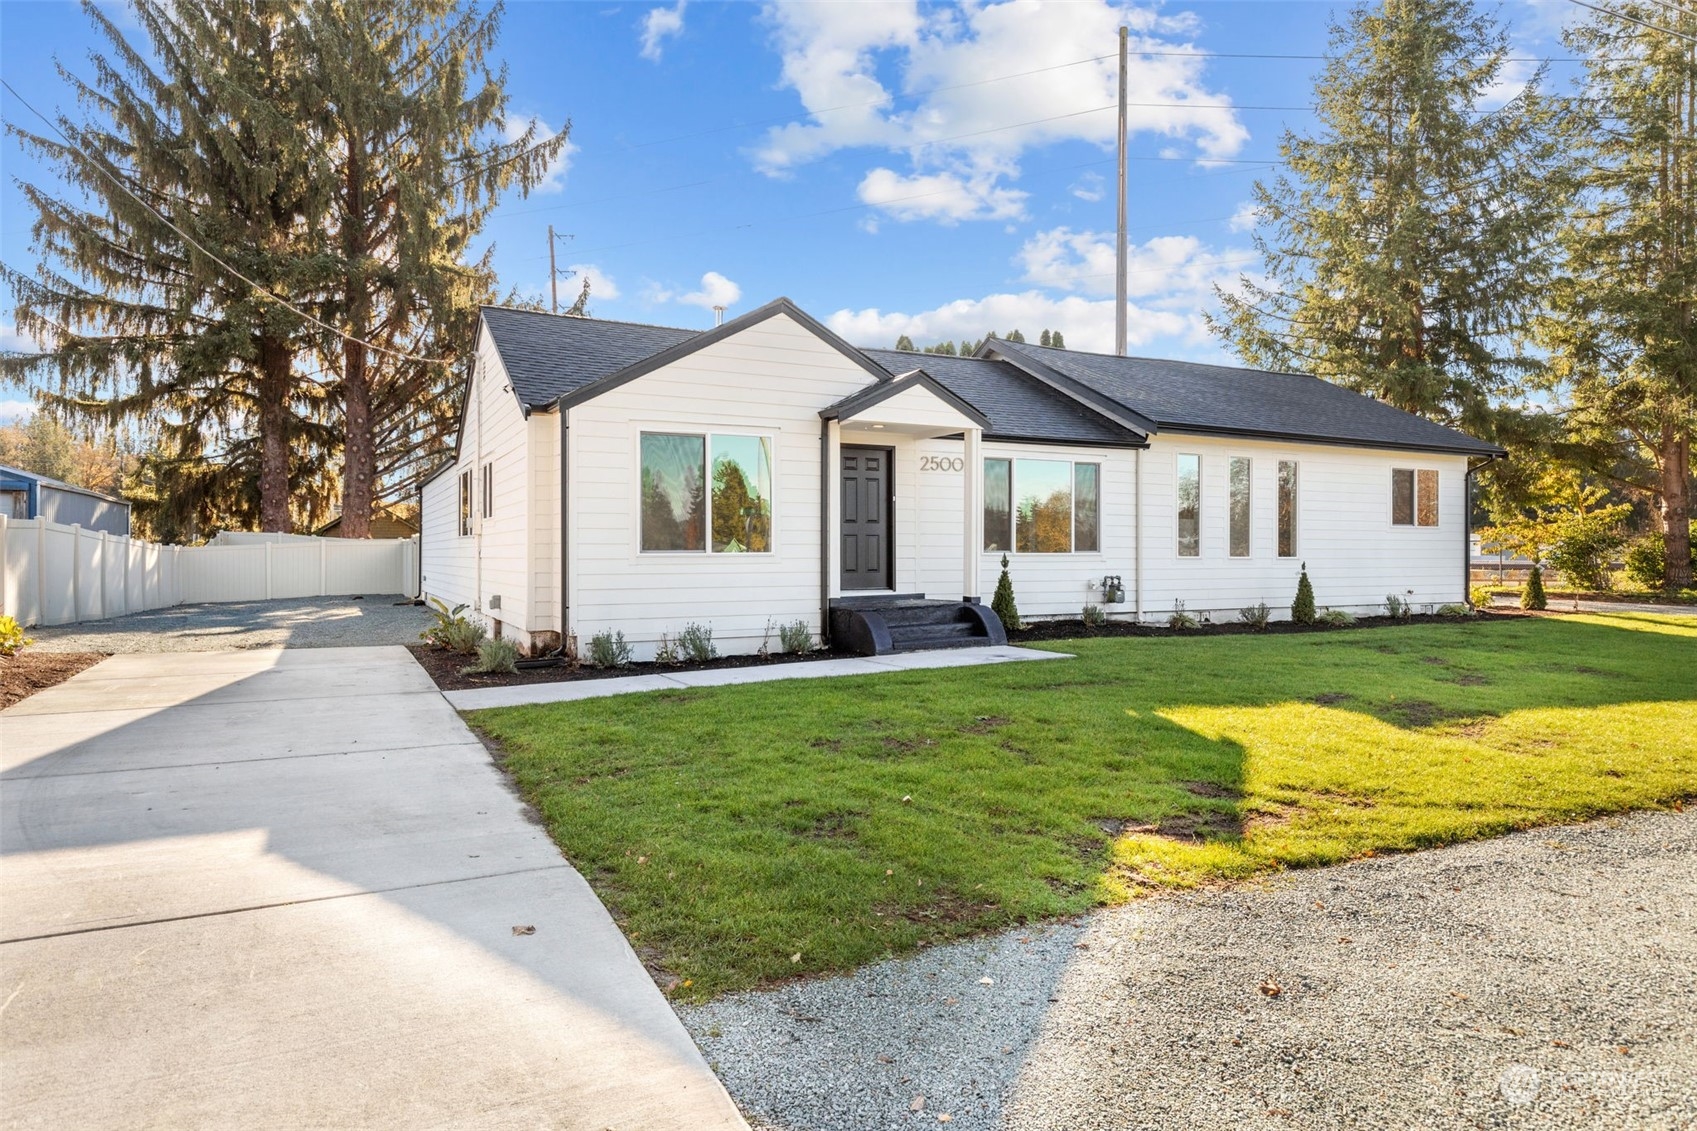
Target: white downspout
1137 524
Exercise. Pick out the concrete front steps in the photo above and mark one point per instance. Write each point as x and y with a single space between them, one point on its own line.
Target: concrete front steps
875 625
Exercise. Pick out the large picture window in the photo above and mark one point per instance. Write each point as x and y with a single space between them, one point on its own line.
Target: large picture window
1042 506
1189 506
1239 507
1414 497
1287 508
706 493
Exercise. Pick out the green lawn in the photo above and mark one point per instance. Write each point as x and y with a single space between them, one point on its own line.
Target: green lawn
841 820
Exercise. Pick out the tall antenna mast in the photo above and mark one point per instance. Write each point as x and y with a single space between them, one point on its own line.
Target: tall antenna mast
1119 239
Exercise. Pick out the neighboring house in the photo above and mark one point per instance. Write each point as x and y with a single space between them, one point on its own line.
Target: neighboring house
390 520
24 494
766 471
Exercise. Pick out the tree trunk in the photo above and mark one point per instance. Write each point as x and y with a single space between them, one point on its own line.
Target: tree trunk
1676 508
276 365
359 451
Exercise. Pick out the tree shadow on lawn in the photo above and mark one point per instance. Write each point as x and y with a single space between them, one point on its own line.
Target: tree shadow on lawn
734 829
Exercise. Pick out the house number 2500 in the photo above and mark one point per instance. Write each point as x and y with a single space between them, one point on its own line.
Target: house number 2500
941 463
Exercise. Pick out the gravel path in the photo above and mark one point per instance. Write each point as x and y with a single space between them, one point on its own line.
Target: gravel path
1493 984
308 622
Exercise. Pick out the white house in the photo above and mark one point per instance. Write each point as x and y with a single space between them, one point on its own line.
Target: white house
766 472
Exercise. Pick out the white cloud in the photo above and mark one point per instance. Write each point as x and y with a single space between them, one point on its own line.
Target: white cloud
601 284
1168 271
16 410
1511 80
1088 324
1245 218
13 342
715 290
1090 187
897 77
945 197
554 179
659 25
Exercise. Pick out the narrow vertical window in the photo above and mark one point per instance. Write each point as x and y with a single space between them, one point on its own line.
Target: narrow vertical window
1426 498
488 490
742 494
998 504
465 504
1239 507
1402 496
1086 507
673 493
1189 506
1287 508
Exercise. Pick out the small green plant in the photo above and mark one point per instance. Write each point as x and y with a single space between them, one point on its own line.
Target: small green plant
666 652
1646 560
1532 597
695 642
1256 616
1003 604
1181 620
1302 609
1479 597
1336 618
609 650
795 637
1455 610
1398 608
1094 616
495 656
452 630
12 636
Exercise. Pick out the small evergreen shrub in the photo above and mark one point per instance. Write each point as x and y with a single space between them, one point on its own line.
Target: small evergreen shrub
666 652
1336 618
1397 608
12 636
1003 604
1181 620
495 656
1646 561
695 642
1532 597
609 650
1094 616
1302 609
1479 597
795 637
1256 616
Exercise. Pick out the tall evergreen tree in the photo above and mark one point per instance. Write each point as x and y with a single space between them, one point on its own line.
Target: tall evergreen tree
413 117
905 344
200 152
1406 242
1622 332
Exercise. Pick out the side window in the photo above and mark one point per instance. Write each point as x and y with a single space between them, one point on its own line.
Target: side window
465 504
1426 498
1287 508
488 490
1402 496
1239 507
1414 497
998 504
1189 506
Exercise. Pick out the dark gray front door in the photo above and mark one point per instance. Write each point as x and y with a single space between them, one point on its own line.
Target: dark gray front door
865 476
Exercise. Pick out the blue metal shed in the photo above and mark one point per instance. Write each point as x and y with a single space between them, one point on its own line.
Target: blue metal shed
24 494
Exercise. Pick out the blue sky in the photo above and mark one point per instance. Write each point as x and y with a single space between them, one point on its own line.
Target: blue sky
939 170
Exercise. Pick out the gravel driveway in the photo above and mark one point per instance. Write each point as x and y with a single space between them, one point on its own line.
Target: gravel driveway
307 622
1542 980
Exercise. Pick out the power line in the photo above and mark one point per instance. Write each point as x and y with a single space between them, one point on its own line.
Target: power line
259 289
1636 20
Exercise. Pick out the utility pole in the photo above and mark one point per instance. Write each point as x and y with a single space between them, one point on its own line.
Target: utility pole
554 275
1119 240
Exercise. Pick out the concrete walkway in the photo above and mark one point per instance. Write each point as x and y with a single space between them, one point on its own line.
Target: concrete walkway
284 889
572 690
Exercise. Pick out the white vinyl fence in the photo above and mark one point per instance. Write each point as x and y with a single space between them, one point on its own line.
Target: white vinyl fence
54 574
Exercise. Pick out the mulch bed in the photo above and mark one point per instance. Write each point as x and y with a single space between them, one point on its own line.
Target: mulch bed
28 672
448 668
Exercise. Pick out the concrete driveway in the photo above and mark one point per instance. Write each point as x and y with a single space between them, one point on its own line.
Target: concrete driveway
280 888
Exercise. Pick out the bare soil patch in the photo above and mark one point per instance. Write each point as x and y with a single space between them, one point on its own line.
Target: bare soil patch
30 671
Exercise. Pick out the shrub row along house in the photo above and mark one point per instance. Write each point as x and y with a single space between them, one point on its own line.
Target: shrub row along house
766 471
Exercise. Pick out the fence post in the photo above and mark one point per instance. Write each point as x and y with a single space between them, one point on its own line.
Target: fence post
76 573
268 545
100 581
40 570
323 572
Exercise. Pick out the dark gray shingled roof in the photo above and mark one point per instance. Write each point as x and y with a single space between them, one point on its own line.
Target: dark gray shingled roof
548 355
1019 406
1192 397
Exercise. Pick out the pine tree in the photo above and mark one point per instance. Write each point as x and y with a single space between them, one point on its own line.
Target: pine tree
905 344
1302 609
580 308
1002 604
1622 331
1015 336
1056 341
1407 243
1532 597
1043 339
417 114
139 322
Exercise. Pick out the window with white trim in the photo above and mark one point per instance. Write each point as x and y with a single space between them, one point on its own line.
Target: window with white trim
488 490
1189 506
1042 506
1239 507
1414 496
1287 508
706 492
465 503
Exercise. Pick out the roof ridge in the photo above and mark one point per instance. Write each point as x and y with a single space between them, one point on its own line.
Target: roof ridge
587 318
